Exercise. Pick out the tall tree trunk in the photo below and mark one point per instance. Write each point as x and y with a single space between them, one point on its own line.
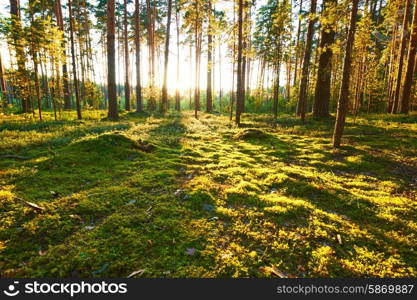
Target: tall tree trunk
20 52
197 37
247 57
302 99
54 88
232 91
404 37
37 85
45 82
323 83
220 77
164 106
113 113
139 101
244 53
408 81
89 54
260 83
359 85
190 95
3 87
239 62
74 64
297 44
119 53
288 84
60 22
177 89
151 44
276 87
127 83
81 47
392 61
343 101
88 47
209 94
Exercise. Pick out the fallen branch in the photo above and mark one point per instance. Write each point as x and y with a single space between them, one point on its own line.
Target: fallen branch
30 204
138 272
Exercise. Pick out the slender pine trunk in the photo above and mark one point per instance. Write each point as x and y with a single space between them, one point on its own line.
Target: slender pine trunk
343 101
164 106
113 113
126 40
139 101
74 64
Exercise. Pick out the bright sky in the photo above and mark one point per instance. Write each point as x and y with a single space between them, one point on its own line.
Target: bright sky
186 79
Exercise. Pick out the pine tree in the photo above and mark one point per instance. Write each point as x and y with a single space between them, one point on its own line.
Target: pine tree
113 113
323 82
164 106
409 75
302 99
342 104
404 36
209 94
126 48
74 64
139 101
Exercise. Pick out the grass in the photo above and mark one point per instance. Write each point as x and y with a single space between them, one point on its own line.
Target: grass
179 197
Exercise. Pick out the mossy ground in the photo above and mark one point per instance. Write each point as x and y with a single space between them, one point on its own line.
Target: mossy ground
179 197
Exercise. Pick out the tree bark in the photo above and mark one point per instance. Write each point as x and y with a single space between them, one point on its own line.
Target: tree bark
343 101
74 64
302 99
209 94
245 30
220 77
392 62
37 86
3 87
190 95
55 85
125 35
60 23
239 88
164 106
232 91
20 52
197 37
139 101
151 45
177 90
297 50
404 36
111 61
409 75
323 82
276 88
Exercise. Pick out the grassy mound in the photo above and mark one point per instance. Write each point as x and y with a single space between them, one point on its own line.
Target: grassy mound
106 141
251 134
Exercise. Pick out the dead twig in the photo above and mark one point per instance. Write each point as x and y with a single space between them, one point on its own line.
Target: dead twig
30 204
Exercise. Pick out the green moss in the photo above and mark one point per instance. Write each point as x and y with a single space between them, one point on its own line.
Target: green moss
137 193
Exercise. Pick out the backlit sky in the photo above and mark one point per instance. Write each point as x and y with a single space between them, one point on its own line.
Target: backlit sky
186 78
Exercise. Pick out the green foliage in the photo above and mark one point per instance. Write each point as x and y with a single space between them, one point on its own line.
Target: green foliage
273 28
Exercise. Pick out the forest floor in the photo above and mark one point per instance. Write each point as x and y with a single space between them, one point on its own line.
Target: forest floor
179 197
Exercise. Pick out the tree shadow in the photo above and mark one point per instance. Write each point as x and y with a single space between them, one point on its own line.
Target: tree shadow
101 184
61 133
359 211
